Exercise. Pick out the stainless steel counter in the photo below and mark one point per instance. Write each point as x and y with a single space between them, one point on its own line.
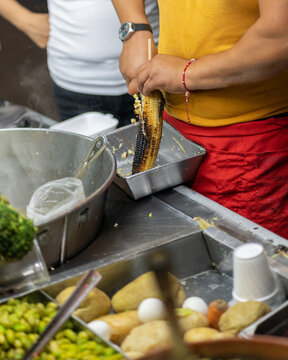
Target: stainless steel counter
131 227
201 256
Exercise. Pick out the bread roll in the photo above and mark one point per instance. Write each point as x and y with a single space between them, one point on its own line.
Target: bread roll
121 324
241 315
143 287
96 304
147 337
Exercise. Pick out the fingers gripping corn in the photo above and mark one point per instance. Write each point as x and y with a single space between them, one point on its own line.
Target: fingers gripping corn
149 112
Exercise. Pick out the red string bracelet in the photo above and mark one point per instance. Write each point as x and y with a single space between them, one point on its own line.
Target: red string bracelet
187 93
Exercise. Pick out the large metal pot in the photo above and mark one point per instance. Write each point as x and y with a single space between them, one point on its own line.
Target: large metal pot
31 157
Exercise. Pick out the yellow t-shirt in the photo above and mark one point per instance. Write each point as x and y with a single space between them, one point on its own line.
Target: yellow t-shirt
194 28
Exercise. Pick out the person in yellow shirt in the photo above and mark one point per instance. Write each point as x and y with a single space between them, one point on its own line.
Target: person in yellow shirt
223 69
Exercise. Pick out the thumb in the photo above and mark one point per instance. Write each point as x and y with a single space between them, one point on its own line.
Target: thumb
132 87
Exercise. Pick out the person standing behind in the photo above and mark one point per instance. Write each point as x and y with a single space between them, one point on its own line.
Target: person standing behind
233 100
82 53
34 25
83 57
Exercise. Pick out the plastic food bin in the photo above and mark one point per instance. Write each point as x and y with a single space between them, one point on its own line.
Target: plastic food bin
90 124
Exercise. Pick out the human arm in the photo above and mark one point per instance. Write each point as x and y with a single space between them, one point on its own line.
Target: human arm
261 53
35 26
135 49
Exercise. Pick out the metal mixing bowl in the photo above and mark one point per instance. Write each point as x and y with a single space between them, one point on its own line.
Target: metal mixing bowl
31 157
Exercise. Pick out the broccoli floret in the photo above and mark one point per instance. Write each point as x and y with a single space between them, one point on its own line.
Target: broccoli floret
16 232
4 199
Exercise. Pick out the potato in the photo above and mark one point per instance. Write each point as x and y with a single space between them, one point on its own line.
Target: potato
241 315
96 304
143 287
147 337
204 333
190 319
121 324
55 289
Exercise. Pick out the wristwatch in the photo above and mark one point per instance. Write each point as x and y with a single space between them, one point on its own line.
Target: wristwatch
128 28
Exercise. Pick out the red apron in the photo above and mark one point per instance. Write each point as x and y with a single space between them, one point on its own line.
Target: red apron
245 168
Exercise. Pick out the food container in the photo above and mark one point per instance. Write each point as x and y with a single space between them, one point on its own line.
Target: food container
89 124
203 263
17 116
177 162
30 158
25 274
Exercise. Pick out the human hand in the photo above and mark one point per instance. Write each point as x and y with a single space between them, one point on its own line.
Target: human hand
162 72
36 27
134 54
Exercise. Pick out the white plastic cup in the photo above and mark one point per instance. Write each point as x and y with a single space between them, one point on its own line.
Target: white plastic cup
253 278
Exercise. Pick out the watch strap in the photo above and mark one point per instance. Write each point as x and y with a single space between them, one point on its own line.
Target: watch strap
139 27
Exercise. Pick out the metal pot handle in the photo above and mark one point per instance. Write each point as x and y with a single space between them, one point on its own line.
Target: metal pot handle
94 152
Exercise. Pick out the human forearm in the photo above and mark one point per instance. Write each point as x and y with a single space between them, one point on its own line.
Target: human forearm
261 53
35 26
135 49
247 62
12 11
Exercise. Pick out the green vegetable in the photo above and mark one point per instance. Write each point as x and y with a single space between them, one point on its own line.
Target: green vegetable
16 232
21 323
4 199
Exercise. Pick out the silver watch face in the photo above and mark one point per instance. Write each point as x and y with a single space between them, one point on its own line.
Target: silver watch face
125 31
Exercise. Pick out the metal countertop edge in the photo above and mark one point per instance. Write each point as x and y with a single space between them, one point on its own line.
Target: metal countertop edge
239 220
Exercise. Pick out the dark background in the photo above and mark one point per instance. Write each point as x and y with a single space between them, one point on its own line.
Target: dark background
24 77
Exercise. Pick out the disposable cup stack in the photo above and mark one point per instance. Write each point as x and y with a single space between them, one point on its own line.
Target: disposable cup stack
253 279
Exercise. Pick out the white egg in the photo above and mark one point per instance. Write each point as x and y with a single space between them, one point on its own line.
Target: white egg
151 309
101 328
197 304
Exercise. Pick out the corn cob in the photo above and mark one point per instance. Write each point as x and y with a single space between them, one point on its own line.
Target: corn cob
149 112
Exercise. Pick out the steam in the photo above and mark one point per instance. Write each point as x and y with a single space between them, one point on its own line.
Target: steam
35 82
14 183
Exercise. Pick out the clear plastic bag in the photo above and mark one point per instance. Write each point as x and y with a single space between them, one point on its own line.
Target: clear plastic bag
54 198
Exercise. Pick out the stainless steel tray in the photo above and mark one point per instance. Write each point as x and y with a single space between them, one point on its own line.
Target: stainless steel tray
177 162
203 263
